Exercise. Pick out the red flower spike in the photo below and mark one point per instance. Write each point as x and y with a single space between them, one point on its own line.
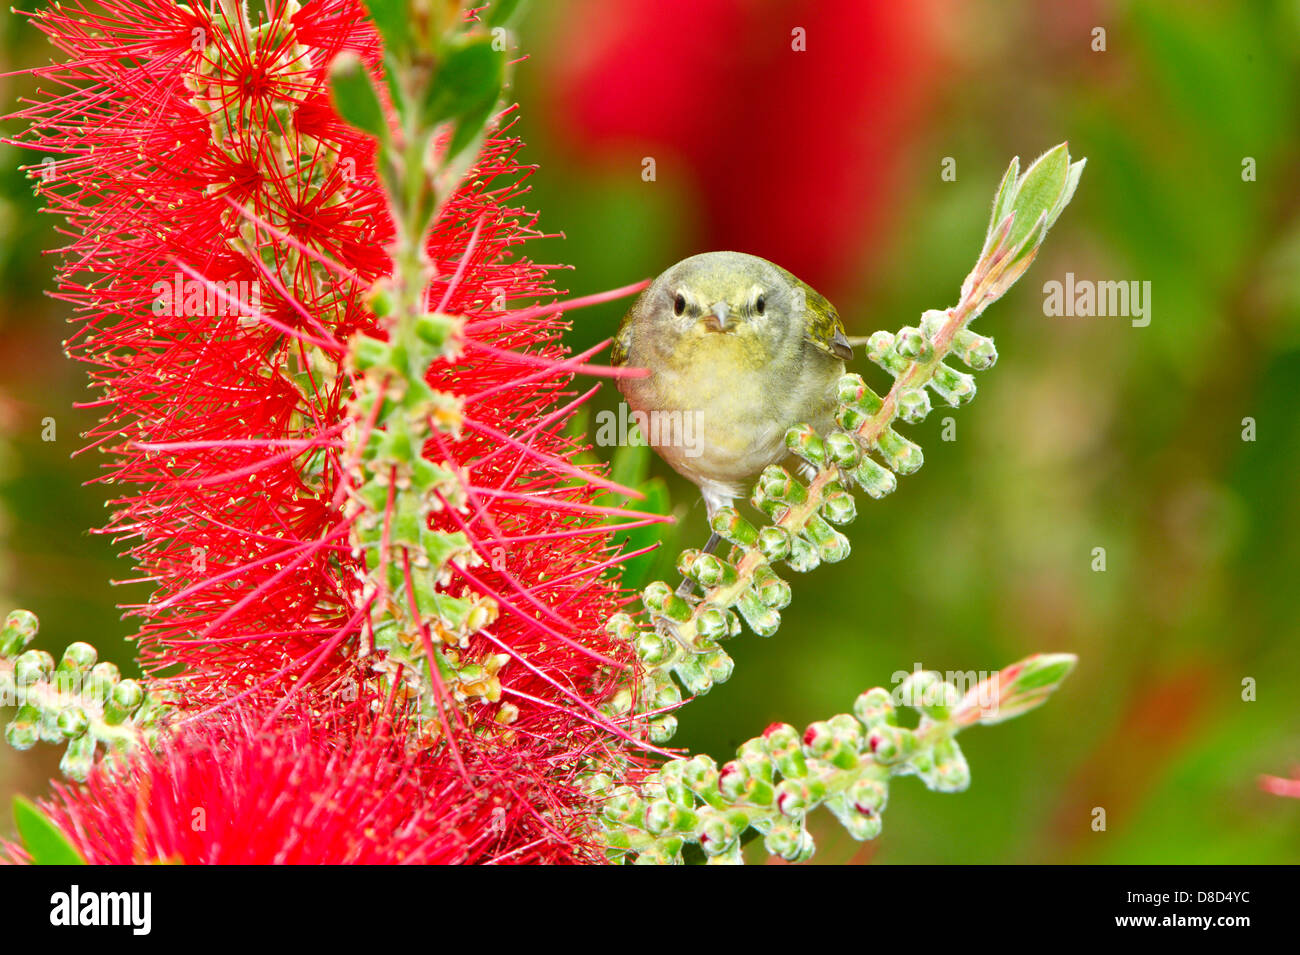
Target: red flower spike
225 230
226 792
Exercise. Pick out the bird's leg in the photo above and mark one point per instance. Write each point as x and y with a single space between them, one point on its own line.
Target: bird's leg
714 500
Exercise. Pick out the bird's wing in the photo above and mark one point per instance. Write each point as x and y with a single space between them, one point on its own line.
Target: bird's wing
622 343
823 327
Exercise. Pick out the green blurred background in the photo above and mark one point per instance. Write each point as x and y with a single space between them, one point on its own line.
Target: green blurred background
1088 433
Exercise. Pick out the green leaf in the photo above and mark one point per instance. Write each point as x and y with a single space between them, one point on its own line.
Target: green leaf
503 12
1005 196
41 838
636 571
1071 183
392 19
354 95
1040 191
466 89
630 465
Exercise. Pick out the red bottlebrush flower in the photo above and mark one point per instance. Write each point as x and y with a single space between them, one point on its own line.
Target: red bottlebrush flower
740 111
228 793
225 229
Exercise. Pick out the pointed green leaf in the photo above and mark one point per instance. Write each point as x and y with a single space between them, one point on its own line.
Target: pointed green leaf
502 12
354 95
1039 191
392 19
630 465
41 838
1071 183
467 85
1003 199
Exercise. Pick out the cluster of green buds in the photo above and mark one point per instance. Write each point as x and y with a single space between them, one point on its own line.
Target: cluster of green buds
444 74
81 701
865 452
693 807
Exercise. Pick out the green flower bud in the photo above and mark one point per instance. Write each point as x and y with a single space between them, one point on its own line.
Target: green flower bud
867 796
873 479
73 722
686 562
437 329
850 419
733 780
832 546
783 841
712 572
901 455
874 708
945 768
838 505
913 345
78 656
126 698
701 774
804 555
778 485
103 677
712 624
792 798
32 667
954 387
24 729
661 600
913 405
370 352
19 630
756 757
804 442
774 542
862 827
890 744
762 619
772 591
663 729
819 740
842 449
622 627
846 728
881 350
852 392
784 745
693 674
718 665
733 528
79 758
717 835
668 695
659 816
975 350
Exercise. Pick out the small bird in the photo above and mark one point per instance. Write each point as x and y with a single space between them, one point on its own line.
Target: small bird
739 350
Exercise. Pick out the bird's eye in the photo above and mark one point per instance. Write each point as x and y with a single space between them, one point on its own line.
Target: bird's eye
760 304
679 304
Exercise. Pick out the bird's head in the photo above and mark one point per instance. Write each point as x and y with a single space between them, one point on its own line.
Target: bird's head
724 293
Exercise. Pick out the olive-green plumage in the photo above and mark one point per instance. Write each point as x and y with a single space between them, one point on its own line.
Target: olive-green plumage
739 351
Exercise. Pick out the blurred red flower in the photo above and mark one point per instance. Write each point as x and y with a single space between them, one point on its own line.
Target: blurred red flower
794 154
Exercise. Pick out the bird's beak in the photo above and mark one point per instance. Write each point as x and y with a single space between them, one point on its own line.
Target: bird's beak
719 317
